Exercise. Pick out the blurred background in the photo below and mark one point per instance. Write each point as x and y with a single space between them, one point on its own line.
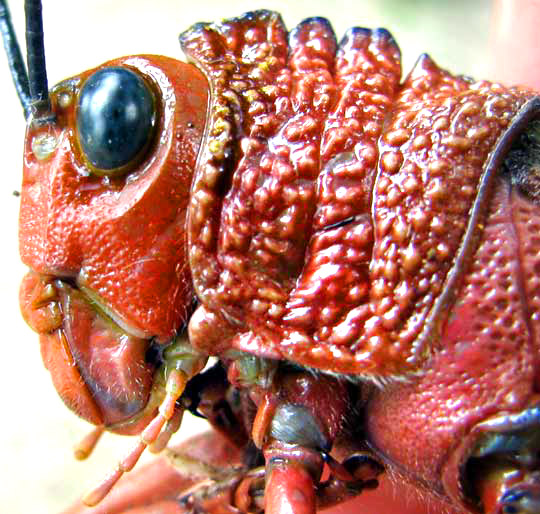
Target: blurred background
38 473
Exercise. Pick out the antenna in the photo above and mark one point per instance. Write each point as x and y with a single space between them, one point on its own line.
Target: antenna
31 86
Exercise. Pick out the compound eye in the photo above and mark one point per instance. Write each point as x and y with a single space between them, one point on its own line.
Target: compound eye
115 119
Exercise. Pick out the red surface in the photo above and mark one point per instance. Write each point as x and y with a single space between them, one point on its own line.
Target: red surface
123 239
417 425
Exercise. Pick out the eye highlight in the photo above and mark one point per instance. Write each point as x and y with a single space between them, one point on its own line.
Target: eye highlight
116 115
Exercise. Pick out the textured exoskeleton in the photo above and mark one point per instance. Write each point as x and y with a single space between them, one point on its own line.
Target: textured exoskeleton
359 253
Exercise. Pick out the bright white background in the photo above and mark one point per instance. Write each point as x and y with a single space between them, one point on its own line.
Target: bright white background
37 472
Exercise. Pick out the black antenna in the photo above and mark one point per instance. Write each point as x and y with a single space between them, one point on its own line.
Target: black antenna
15 59
31 86
35 58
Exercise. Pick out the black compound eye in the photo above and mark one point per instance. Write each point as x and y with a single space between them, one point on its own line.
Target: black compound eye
115 118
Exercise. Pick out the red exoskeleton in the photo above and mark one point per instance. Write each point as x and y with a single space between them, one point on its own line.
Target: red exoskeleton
364 257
